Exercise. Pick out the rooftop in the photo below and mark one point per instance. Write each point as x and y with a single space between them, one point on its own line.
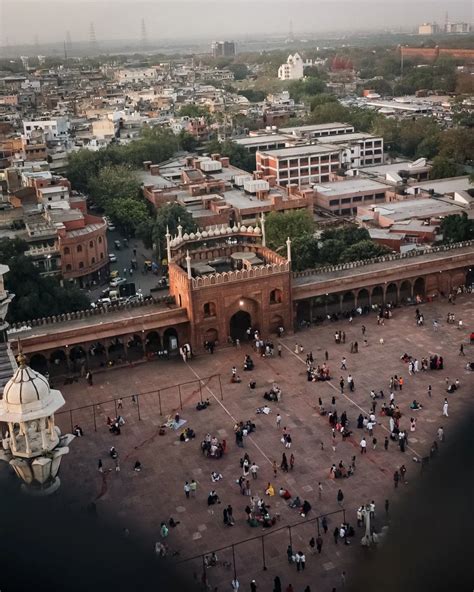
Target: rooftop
417 208
301 151
443 186
350 186
314 127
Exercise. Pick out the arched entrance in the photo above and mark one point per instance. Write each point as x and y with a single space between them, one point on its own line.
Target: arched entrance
363 298
419 288
348 302
211 335
377 295
58 362
239 323
405 291
470 277
170 340
391 293
276 321
135 348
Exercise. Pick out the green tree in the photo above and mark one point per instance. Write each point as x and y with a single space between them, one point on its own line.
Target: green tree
192 110
114 182
443 167
365 249
128 214
238 155
304 252
330 251
455 228
35 296
240 71
457 144
254 96
171 216
281 225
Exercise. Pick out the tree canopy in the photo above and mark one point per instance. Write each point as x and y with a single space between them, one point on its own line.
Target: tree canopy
35 295
456 228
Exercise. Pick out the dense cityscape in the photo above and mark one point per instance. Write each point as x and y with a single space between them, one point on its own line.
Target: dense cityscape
213 249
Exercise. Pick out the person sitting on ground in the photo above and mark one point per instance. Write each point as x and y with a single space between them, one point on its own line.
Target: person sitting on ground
248 363
215 476
212 498
270 491
203 405
415 405
236 379
173 523
284 493
78 431
295 503
138 466
305 509
451 388
252 384
113 453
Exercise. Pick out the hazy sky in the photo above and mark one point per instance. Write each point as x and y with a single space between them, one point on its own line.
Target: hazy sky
21 21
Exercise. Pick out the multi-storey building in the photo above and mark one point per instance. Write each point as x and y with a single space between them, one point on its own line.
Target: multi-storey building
302 165
223 49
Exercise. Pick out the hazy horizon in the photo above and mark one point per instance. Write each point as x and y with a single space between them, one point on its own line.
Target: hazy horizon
38 21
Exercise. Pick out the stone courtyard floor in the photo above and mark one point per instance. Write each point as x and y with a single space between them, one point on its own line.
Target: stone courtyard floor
141 501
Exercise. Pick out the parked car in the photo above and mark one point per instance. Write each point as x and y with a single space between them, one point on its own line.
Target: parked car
118 281
118 245
110 227
112 257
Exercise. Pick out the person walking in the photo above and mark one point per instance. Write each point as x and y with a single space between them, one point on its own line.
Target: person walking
363 446
187 489
312 545
335 534
288 441
253 586
461 350
254 470
276 584
235 585
343 364
289 554
441 434
324 524
320 490
319 544
445 408
292 461
89 378
284 464
387 505
278 421
302 560
340 497
119 403
100 466
326 355
298 561
396 478
385 444
341 385
193 488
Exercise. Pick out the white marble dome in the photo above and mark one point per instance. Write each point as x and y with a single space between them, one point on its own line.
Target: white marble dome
27 395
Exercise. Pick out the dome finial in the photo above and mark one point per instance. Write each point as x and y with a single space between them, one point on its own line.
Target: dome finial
21 358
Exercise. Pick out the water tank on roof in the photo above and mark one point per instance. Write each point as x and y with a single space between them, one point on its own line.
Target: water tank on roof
254 185
239 180
210 166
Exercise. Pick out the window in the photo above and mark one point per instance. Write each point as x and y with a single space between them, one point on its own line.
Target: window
100 240
91 244
79 248
275 296
67 250
93 260
102 255
81 264
68 267
209 309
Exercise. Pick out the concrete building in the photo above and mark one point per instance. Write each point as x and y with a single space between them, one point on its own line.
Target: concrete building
223 49
365 149
302 165
53 129
315 131
293 69
344 197
429 29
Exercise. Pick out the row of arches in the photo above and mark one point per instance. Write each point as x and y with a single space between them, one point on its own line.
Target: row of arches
98 354
393 292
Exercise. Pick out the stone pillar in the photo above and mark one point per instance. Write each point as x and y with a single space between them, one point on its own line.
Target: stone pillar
264 238
188 265
168 244
288 249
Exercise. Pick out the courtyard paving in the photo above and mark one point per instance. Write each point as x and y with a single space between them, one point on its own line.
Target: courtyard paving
141 501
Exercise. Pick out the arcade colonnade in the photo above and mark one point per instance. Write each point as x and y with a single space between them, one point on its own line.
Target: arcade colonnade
401 292
107 352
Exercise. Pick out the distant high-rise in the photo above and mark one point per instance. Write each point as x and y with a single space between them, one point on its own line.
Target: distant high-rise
68 41
144 37
223 49
92 39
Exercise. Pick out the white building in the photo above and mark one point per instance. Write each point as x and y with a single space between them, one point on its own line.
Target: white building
293 69
53 129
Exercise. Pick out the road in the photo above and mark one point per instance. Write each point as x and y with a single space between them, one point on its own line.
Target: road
143 281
